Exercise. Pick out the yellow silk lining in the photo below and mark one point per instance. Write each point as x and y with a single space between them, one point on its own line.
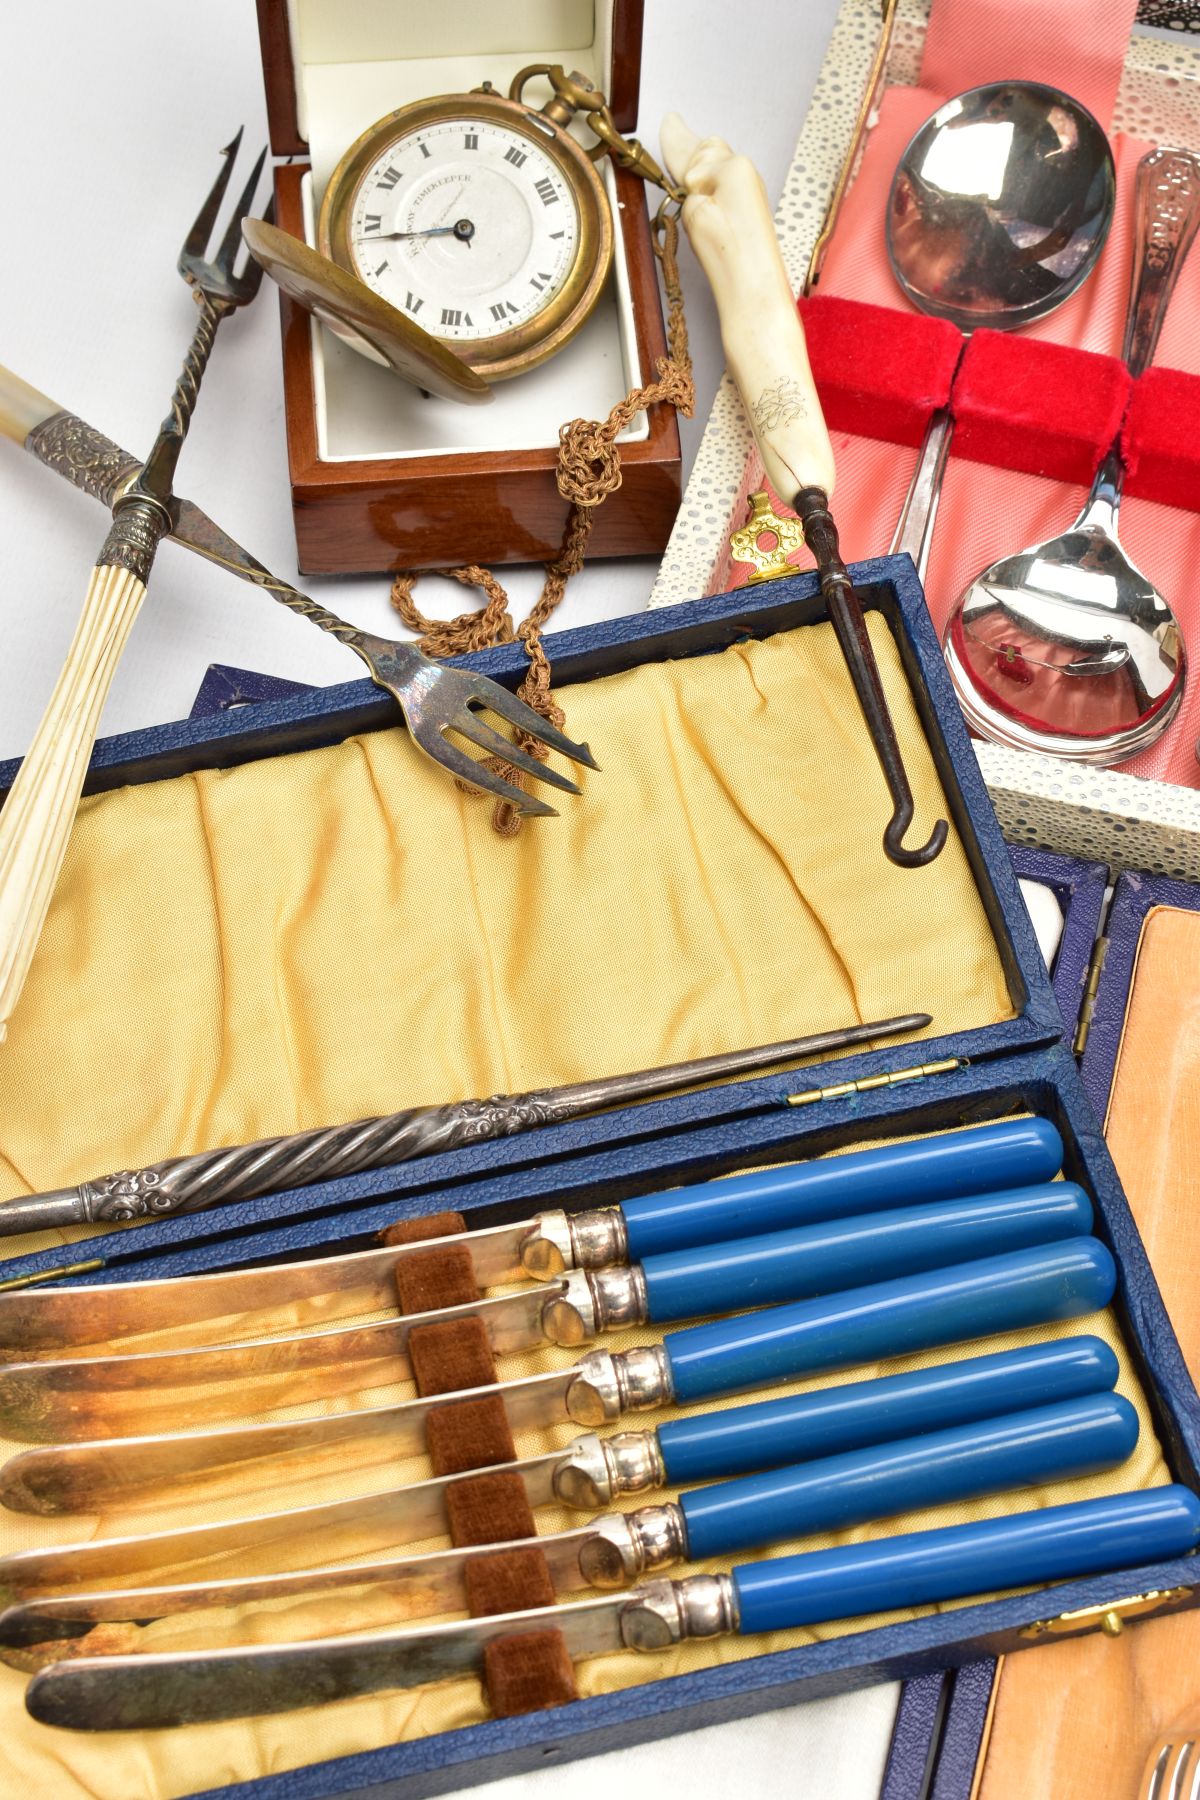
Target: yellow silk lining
318 937
325 936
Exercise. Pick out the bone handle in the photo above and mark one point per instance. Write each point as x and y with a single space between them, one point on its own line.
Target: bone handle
728 221
36 819
22 408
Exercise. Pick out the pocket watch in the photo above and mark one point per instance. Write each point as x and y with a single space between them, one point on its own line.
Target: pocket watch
464 239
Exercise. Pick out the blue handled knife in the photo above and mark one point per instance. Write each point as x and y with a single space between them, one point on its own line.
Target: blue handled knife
1054 1282
111 1396
1085 1537
593 1471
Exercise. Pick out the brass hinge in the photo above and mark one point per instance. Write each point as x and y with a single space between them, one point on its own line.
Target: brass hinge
890 1078
24 1281
1095 970
1111 1616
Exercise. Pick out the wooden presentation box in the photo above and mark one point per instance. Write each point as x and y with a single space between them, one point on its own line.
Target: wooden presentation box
1017 1064
386 478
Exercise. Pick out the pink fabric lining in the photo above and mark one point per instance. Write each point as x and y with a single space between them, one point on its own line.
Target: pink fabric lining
985 512
1076 45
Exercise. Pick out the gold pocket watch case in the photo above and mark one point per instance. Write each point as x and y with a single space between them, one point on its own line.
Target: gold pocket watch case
463 239
478 218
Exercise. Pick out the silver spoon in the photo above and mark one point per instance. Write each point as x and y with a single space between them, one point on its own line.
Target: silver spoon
1067 648
998 212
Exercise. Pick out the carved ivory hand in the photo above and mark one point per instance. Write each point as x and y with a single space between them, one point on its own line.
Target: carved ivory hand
728 220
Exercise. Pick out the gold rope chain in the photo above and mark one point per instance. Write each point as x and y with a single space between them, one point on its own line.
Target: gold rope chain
589 461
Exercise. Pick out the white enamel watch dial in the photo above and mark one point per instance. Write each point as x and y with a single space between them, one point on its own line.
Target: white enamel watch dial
478 219
467 226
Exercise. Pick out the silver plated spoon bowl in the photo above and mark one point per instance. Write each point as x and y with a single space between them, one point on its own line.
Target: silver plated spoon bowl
998 212
1067 647
1000 205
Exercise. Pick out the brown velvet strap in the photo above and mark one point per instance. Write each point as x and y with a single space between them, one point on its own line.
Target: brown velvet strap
415 1231
491 1509
450 1355
528 1674
531 1671
471 1434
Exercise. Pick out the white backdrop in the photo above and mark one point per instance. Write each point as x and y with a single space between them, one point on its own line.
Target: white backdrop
113 118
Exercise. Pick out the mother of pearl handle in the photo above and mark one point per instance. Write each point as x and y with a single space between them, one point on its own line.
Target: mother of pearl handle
728 220
22 408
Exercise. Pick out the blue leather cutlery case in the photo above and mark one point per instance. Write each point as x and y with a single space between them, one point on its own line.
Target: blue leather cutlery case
1020 1064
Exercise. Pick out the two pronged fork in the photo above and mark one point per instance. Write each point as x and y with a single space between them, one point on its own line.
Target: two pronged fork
36 821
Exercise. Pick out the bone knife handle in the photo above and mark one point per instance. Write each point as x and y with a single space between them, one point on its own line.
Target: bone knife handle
728 221
1085 1537
36 819
22 408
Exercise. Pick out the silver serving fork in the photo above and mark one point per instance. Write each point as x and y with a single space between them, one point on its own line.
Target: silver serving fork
435 698
35 824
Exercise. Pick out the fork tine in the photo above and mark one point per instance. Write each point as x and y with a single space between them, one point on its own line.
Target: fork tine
467 769
231 243
196 241
471 726
497 699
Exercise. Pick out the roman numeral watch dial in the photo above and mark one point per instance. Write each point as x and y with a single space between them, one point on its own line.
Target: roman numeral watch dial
479 221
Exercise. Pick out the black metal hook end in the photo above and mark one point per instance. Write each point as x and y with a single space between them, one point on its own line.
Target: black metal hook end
893 841
846 616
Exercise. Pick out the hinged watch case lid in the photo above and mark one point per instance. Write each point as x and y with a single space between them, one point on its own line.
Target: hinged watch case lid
366 321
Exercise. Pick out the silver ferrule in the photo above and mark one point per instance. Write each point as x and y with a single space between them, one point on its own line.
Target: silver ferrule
626 1545
643 1378
607 1385
596 1471
599 1239
663 1613
605 1300
707 1605
635 1463
586 1240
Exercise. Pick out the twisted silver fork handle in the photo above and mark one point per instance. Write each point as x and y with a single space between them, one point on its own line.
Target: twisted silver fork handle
141 515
